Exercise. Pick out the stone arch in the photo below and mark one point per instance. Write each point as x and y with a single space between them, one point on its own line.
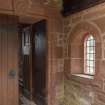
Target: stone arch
81 29
76 43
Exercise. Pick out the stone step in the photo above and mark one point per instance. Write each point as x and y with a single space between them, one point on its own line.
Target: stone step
25 101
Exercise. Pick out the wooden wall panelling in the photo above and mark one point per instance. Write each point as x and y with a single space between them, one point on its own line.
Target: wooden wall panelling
4 59
1 97
8 61
12 61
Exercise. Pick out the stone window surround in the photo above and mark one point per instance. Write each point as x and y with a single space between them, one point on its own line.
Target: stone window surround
82 31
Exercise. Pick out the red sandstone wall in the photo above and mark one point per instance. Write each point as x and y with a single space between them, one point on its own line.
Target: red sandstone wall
90 21
55 60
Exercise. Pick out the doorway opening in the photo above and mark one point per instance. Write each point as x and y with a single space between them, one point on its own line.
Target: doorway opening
32 63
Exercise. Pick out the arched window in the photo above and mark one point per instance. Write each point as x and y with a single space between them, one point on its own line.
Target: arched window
89 55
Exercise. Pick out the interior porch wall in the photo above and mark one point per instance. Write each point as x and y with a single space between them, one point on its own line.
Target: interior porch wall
55 59
30 11
81 91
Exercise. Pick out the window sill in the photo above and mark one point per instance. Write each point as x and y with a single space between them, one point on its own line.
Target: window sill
84 76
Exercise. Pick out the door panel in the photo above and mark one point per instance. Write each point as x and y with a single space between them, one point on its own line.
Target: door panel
8 61
39 51
26 59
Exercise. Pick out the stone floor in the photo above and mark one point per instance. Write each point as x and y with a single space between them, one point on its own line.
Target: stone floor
25 101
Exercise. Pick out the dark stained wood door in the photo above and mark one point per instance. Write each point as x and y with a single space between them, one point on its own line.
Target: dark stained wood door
39 52
25 72
8 61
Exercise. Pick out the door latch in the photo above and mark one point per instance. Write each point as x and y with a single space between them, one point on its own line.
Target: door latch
12 73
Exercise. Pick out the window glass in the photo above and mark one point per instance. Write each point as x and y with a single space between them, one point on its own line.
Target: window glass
89 58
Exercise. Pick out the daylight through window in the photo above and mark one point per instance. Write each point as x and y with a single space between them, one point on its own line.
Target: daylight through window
89 55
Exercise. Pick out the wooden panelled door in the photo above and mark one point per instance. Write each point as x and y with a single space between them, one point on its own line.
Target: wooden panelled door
34 61
39 52
8 61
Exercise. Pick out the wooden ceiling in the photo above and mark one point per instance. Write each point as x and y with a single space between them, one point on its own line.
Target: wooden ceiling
73 6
